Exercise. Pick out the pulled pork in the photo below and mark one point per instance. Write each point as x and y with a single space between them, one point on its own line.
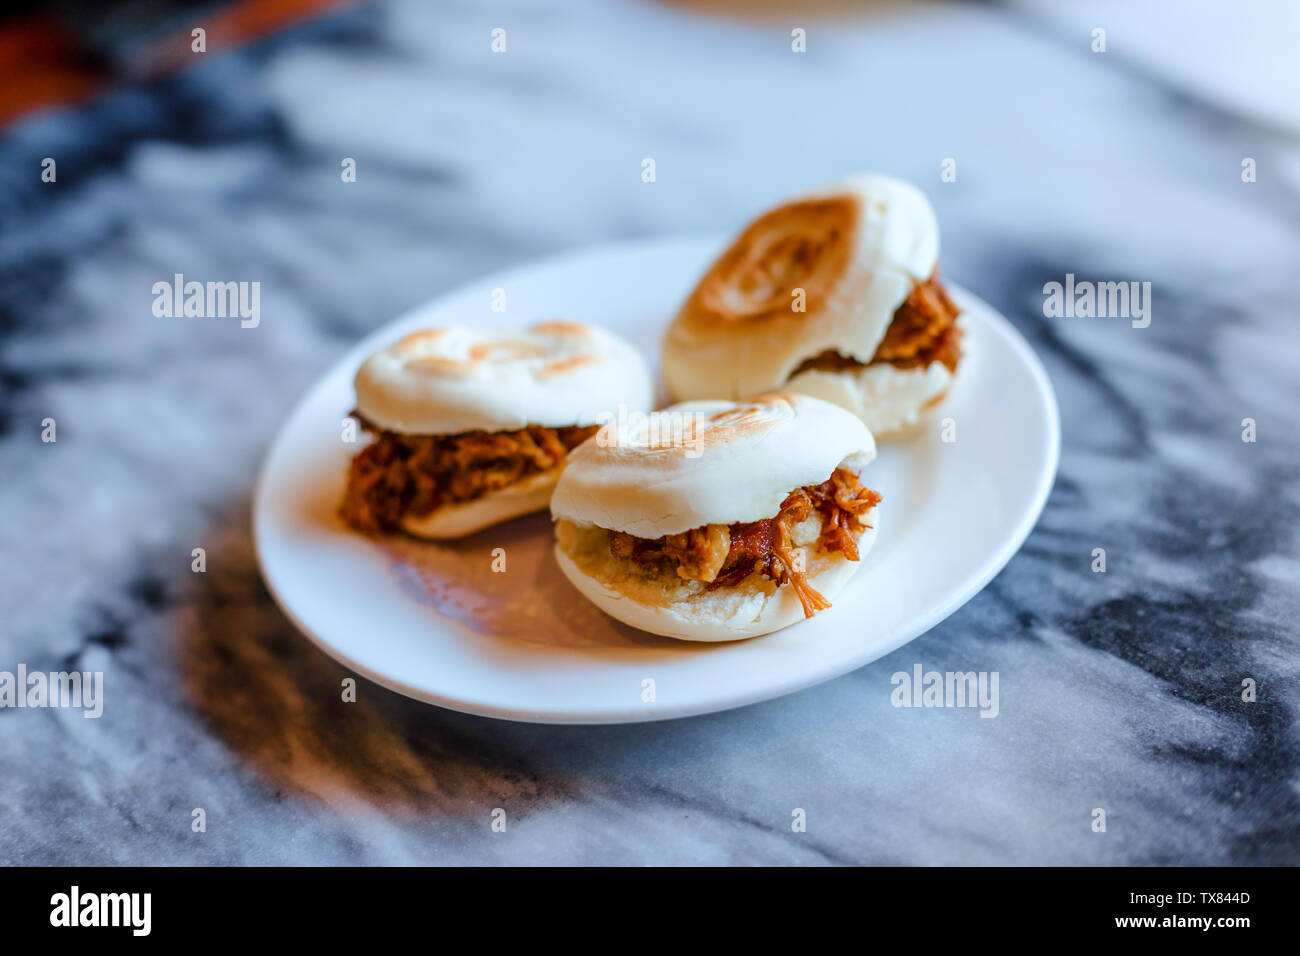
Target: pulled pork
923 330
724 555
399 475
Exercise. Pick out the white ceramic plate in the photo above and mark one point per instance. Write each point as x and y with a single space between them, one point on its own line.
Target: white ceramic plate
435 622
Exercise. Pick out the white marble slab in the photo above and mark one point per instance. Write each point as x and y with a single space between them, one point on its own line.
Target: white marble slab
1118 691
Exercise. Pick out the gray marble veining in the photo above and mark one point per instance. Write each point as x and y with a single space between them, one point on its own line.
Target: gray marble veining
1119 690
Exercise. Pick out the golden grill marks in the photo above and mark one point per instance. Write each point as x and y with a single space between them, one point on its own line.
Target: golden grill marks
399 475
799 244
724 555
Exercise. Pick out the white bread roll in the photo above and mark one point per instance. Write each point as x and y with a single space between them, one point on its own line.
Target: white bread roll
448 380
856 250
712 462
445 381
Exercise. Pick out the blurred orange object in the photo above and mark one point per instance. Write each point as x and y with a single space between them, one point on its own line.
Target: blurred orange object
44 63
41 65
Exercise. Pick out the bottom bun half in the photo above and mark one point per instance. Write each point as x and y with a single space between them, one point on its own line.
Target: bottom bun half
891 401
464 518
660 602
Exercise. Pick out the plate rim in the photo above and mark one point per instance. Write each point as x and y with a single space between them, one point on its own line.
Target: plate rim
1045 481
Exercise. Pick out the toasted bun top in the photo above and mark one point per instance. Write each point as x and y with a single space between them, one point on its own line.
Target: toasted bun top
707 462
454 379
855 250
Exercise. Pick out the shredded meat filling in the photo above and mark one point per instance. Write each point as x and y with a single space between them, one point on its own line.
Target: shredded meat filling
724 555
923 330
398 475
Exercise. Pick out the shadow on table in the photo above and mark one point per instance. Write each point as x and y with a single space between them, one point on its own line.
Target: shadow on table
276 701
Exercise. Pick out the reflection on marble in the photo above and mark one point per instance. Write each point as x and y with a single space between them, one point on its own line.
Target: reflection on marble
1118 690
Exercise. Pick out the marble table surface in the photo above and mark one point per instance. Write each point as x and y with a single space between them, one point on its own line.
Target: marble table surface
1119 690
